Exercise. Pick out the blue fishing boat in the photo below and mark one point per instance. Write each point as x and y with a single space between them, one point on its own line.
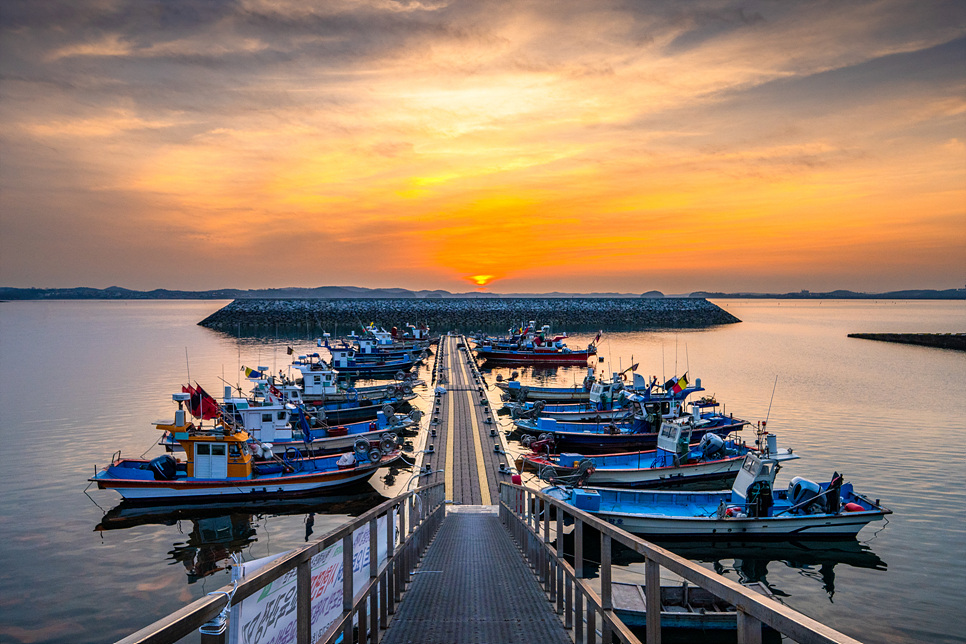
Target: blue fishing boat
346 363
220 465
514 391
751 510
637 433
675 463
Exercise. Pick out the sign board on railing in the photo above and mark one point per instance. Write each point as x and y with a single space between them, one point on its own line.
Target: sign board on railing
268 616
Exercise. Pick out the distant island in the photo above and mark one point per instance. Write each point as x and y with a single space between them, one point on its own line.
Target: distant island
357 292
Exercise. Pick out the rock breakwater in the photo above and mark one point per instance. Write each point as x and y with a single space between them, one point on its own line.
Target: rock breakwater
465 315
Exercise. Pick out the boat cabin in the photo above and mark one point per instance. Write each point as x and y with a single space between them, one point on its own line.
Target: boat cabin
318 378
673 442
272 422
752 489
217 456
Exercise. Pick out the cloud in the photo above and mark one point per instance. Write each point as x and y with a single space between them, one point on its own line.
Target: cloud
446 139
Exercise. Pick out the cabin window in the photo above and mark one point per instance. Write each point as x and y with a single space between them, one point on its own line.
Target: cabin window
281 415
218 450
204 449
267 418
318 380
233 450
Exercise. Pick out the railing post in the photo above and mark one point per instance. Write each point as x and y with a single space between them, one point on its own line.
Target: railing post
347 595
569 609
749 628
373 573
578 548
652 595
303 621
393 573
385 588
605 572
578 615
543 544
591 623
606 599
560 558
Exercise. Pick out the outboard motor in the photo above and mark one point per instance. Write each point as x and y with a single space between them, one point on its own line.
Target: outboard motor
710 445
164 467
805 494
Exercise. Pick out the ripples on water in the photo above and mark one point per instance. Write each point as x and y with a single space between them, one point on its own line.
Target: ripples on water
84 379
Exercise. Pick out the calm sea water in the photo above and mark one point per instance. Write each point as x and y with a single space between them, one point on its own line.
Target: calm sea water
82 380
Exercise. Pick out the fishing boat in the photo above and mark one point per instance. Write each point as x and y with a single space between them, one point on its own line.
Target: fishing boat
638 433
683 606
751 510
675 463
221 465
282 426
328 399
514 391
412 337
368 350
532 346
320 383
605 400
347 364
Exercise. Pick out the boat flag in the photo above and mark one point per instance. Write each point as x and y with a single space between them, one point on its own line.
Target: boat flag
290 351
209 406
681 384
194 403
597 338
251 373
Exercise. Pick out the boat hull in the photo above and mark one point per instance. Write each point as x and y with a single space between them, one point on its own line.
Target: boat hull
600 442
721 471
575 394
693 515
533 357
140 489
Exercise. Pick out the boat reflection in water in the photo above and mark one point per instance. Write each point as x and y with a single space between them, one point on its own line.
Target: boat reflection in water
749 560
221 530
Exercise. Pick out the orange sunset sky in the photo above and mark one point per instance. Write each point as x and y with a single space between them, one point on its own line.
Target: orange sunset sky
531 146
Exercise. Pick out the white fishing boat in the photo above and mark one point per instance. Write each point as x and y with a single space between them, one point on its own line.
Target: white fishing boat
752 509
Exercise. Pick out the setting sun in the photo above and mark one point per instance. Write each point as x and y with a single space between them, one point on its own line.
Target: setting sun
481 280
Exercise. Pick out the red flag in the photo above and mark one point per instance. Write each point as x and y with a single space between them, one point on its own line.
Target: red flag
194 403
275 392
209 406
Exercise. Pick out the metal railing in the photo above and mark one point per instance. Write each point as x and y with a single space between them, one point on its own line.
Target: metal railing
526 513
412 520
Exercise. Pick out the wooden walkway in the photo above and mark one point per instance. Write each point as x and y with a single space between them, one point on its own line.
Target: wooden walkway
467 445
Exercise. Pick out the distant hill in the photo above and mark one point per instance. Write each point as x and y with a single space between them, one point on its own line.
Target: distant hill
914 294
357 292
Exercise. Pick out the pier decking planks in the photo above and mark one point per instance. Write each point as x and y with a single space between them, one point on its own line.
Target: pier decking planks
473 586
463 446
